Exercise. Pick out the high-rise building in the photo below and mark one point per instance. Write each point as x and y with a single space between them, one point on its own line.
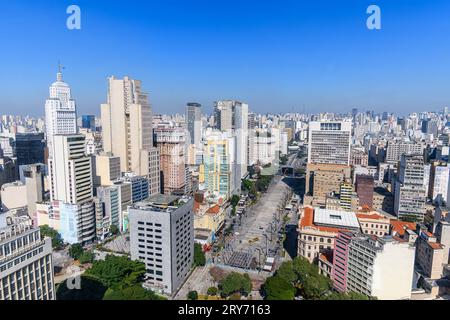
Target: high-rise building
232 116
194 123
107 169
329 142
60 111
26 265
171 146
346 196
88 122
439 182
108 210
379 267
395 150
218 164
71 184
30 148
34 182
162 236
70 170
127 125
410 193
223 115
364 188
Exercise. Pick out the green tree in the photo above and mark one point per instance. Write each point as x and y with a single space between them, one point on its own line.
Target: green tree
278 288
117 272
86 257
192 295
135 292
234 200
212 291
315 287
76 250
236 283
199 256
57 241
114 229
247 184
287 272
346 296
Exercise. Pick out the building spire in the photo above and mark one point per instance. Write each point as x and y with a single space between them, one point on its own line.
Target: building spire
59 74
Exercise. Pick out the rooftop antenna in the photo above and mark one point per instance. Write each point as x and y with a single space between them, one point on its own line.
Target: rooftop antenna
60 69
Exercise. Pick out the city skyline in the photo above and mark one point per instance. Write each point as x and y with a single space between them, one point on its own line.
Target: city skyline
301 57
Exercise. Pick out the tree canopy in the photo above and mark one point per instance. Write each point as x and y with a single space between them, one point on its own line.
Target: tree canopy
303 277
57 241
278 288
235 283
76 250
117 272
135 292
199 256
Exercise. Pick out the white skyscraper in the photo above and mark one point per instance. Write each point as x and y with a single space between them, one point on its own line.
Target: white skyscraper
127 128
71 186
60 111
329 142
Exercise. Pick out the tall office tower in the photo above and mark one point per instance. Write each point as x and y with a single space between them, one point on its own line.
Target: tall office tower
219 164
71 184
430 126
223 115
232 116
30 148
194 123
346 196
329 142
162 236
439 183
364 188
171 146
7 147
410 195
108 210
378 267
252 124
34 182
26 265
107 169
264 147
70 170
395 149
240 117
88 122
60 111
154 174
127 125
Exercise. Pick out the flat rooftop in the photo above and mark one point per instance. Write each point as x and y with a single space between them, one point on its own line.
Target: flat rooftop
335 218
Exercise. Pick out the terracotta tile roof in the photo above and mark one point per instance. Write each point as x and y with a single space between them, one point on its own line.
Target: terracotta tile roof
307 221
373 216
214 209
399 227
435 245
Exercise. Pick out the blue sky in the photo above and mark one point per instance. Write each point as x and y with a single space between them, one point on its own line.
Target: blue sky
278 56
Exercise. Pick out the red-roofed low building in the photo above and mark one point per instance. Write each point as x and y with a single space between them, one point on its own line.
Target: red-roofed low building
314 238
373 223
398 227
